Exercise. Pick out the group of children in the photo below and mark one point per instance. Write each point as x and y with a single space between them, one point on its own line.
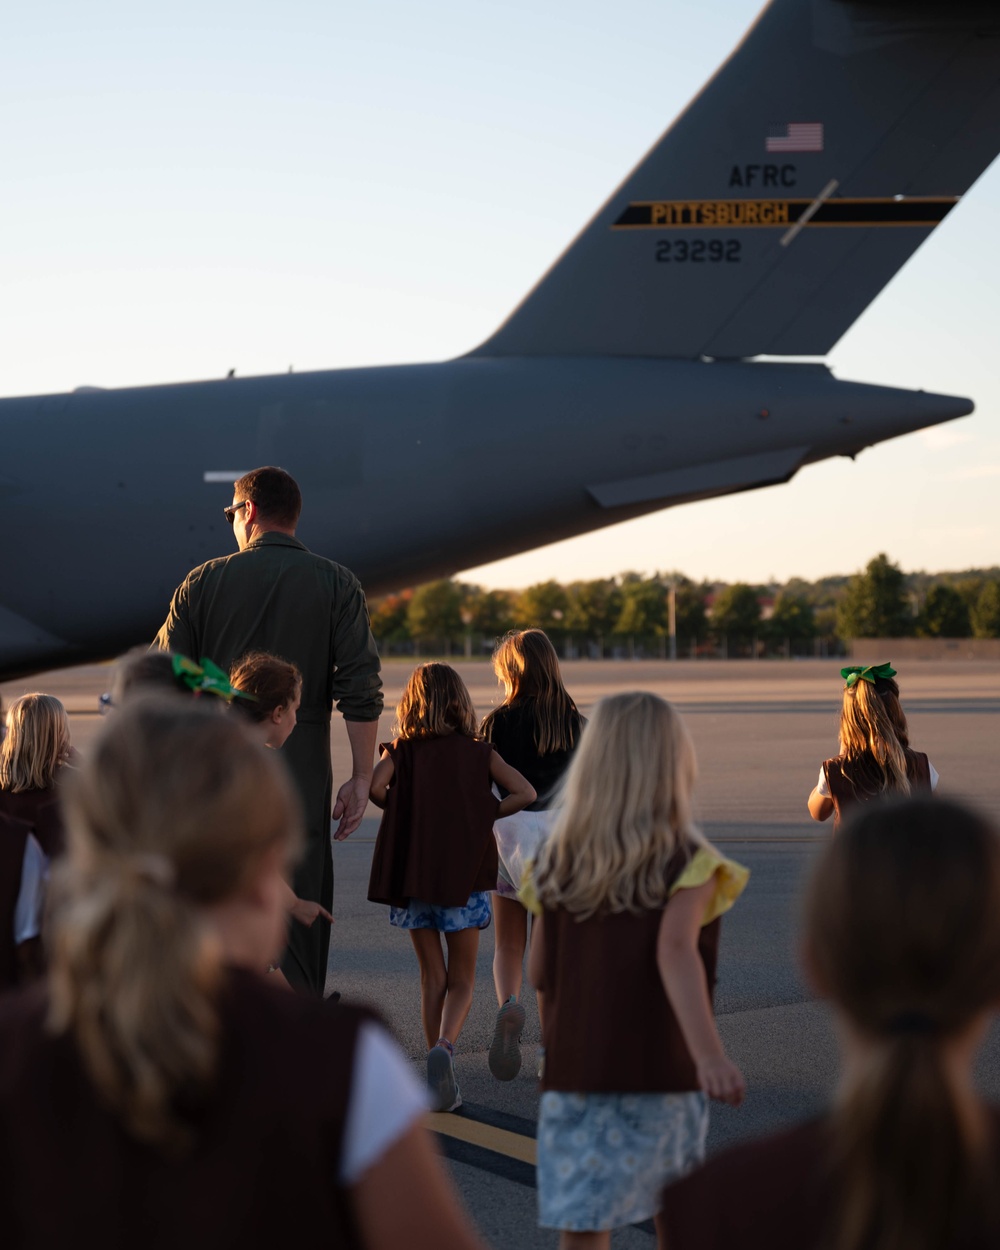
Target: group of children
625 895
262 690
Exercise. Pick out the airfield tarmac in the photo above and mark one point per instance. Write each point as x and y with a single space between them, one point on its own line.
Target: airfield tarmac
761 730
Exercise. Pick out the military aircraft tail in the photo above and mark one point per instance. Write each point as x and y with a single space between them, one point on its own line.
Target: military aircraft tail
789 192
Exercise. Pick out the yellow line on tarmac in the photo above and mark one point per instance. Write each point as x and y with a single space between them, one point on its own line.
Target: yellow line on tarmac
499 1140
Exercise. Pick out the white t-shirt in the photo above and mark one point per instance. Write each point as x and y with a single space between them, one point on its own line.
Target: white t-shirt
386 1101
823 789
31 896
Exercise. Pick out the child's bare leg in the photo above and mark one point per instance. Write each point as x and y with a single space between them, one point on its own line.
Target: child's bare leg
538 997
662 1240
433 980
584 1241
463 947
511 935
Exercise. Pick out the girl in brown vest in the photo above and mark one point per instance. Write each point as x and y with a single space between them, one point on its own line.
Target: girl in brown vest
903 938
536 729
33 758
875 759
160 1092
274 687
435 858
623 958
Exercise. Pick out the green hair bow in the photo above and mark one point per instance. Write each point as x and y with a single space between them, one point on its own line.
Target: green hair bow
871 674
205 677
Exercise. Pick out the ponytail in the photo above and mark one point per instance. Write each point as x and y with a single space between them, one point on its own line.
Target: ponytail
172 813
891 1172
134 978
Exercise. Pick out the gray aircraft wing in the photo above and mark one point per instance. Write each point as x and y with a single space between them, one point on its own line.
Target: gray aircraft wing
778 205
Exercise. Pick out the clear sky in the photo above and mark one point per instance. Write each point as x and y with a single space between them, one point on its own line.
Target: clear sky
198 187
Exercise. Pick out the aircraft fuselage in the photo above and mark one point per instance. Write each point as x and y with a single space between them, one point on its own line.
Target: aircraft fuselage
407 473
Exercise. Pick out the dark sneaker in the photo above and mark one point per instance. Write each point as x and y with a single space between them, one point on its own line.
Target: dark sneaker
441 1080
505 1050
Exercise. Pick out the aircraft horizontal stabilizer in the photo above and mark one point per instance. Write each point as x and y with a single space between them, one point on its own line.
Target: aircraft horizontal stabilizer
717 477
786 196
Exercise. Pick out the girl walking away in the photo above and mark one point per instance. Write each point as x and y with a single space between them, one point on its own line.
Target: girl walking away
623 957
33 755
435 856
903 937
188 1074
23 876
875 759
535 729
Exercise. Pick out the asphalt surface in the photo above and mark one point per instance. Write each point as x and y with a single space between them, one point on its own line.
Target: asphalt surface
761 730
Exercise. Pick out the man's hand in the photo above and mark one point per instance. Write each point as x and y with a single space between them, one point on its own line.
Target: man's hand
352 799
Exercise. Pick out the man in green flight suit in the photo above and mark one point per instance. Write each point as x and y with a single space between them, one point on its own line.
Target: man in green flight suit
275 595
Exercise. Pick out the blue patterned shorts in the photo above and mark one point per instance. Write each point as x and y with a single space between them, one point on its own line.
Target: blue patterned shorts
603 1158
475 914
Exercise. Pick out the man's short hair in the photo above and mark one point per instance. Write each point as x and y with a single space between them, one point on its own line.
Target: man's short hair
275 492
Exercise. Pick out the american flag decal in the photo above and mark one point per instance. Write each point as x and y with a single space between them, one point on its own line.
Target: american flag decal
795 137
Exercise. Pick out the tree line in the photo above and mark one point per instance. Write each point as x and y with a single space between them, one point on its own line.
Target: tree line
630 614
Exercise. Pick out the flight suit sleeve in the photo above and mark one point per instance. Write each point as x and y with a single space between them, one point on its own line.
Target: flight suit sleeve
357 685
176 633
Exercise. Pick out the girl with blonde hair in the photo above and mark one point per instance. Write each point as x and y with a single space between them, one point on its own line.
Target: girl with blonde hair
435 857
186 1075
628 894
535 729
875 759
902 936
33 755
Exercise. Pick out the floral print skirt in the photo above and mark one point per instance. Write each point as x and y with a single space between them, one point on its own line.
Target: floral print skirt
475 914
603 1158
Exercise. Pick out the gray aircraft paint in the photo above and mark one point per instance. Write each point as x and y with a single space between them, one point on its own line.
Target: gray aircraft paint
595 402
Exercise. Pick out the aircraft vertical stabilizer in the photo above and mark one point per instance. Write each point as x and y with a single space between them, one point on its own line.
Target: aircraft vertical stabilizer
779 204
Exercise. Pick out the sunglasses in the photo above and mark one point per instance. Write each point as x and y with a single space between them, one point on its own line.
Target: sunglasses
230 512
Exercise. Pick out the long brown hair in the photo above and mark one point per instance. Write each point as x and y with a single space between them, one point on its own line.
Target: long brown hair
903 935
626 810
173 811
37 742
436 701
525 661
873 738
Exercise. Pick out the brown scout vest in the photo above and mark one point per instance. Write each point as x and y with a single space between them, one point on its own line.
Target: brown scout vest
43 812
435 842
262 1174
844 793
13 840
778 1193
608 1025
